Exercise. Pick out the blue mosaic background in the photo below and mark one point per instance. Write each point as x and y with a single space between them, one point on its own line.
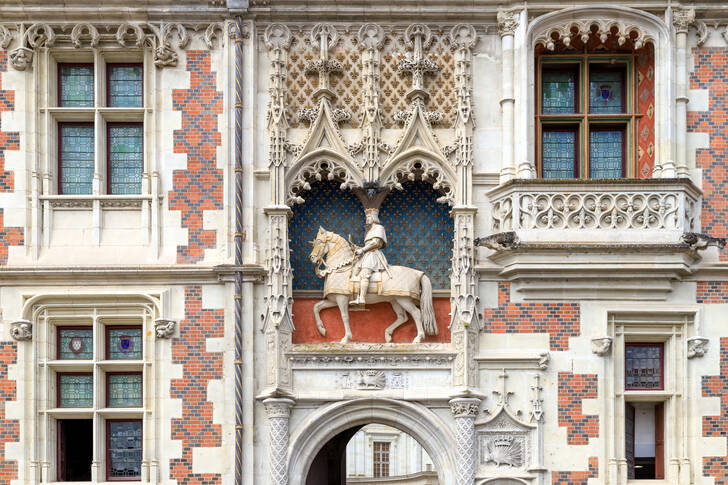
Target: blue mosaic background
334 210
419 231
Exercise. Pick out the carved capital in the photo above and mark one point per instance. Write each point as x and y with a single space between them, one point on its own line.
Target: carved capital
697 346
601 346
21 330
682 18
164 328
464 407
277 36
278 407
508 22
370 37
463 36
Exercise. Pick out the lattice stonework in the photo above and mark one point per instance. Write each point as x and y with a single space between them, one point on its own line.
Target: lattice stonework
346 84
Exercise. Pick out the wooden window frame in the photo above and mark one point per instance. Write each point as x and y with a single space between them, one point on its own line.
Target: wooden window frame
583 120
109 67
109 126
596 127
58 387
107 338
564 128
70 327
380 463
108 395
107 439
59 82
661 345
61 125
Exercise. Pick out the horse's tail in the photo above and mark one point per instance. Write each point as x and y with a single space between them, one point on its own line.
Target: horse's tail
428 311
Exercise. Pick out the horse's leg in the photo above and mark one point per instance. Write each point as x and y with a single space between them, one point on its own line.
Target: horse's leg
412 309
401 319
322 305
343 302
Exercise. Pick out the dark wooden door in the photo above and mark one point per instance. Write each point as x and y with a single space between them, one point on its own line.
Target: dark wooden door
629 439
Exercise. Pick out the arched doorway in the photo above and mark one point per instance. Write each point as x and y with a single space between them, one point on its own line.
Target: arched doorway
317 449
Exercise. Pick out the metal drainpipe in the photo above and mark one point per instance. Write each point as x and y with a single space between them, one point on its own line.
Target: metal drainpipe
238 251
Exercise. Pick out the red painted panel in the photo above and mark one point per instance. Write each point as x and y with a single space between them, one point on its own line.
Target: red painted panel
366 326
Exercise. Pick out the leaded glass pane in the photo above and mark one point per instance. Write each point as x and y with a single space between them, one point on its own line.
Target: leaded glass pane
643 366
125 159
125 390
77 158
605 92
125 86
77 86
558 154
76 391
125 449
124 343
558 92
75 344
605 154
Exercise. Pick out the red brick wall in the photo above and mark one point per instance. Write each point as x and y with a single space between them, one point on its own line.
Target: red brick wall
717 426
712 292
573 388
195 428
200 186
576 477
9 140
9 428
711 73
559 320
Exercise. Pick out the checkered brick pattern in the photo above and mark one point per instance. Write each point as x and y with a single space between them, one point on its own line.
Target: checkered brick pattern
712 292
573 388
9 428
200 186
9 140
717 426
195 428
577 478
559 320
711 73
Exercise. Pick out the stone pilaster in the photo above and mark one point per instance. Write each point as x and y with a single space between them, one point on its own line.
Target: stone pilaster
464 411
279 412
507 24
682 18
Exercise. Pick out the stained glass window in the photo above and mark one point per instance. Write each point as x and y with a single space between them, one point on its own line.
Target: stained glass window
558 92
125 86
606 91
125 159
75 390
76 85
643 366
124 343
77 158
124 390
125 449
558 154
605 154
75 344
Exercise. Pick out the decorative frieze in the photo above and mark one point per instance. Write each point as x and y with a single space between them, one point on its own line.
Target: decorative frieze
380 356
601 27
373 380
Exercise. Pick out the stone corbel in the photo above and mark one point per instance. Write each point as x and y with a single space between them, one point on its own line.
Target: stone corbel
697 347
163 328
698 241
21 330
601 346
37 35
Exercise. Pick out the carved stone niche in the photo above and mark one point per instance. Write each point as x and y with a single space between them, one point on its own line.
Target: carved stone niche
508 448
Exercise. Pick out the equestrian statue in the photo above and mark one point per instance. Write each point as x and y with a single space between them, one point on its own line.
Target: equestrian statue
356 276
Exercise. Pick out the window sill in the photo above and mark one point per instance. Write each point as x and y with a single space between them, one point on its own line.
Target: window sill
74 202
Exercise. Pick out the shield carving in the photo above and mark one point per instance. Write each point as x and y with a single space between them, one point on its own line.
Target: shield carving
76 345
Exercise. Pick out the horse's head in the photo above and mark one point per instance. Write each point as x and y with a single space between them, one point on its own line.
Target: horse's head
320 246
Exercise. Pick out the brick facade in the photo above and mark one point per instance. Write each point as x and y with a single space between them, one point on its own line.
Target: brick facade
559 320
573 388
717 426
195 428
200 186
9 140
9 428
576 477
712 292
710 67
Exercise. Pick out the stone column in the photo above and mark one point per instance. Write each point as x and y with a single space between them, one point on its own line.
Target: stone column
465 410
682 18
507 24
279 411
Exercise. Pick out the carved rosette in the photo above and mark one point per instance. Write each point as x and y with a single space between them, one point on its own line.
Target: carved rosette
279 412
464 410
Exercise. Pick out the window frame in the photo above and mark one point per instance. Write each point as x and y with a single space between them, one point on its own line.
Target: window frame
72 327
107 451
583 120
107 344
61 125
109 126
381 463
111 65
661 345
108 394
58 388
597 127
59 83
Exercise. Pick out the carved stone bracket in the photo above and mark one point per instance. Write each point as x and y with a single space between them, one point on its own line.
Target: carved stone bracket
601 346
697 347
163 328
21 330
699 242
499 241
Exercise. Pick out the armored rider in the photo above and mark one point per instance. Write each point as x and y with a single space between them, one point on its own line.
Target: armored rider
371 258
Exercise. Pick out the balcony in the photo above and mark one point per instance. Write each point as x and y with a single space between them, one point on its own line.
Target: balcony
593 239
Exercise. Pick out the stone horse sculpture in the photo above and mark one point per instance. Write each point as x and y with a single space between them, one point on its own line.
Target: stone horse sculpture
408 290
